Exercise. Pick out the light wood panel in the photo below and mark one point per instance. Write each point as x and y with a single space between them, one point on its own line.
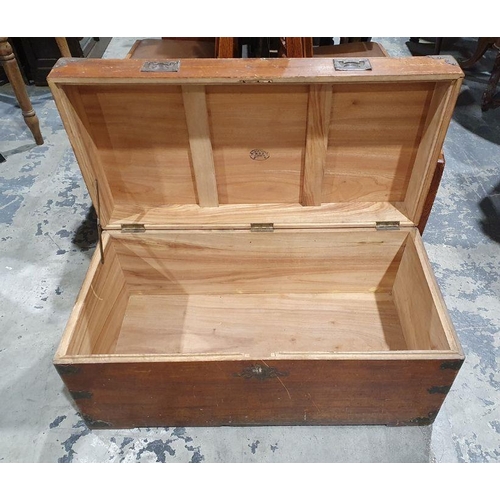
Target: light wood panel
76 120
181 262
142 143
96 320
261 148
418 310
258 138
260 325
438 117
202 156
318 125
282 215
373 140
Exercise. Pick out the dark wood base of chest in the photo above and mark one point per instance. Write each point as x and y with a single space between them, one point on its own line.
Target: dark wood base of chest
294 392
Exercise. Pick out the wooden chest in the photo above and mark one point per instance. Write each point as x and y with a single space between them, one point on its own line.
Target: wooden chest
259 260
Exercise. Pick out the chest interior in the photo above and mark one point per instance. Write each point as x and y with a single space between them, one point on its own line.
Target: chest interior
196 159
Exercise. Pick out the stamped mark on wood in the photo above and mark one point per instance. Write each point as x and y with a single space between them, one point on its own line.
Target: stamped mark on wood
259 155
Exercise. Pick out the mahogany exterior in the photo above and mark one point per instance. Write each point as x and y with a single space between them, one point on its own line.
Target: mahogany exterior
211 393
308 69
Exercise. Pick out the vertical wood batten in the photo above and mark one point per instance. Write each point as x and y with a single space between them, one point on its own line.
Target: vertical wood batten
318 125
438 117
195 106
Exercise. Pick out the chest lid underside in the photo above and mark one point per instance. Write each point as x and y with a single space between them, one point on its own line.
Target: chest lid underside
224 143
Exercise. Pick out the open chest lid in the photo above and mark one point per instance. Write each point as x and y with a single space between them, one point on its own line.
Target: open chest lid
226 143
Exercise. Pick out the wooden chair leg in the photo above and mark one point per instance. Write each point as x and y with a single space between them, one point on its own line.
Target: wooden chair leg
62 43
9 64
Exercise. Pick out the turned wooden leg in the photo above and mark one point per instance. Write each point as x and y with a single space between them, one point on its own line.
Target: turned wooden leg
62 43
13 73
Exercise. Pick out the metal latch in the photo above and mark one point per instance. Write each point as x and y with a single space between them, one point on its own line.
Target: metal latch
161 67
133 228
387 225
266 227
354 64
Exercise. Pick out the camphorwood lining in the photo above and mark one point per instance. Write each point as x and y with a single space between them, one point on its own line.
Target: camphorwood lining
174 284
374 145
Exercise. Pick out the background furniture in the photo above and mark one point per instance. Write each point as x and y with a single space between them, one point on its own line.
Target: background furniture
11 68
36 56
488 100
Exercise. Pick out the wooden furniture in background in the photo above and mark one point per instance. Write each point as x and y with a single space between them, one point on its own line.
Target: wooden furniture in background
11 69
351 49
62 43
488 100
182 48
248 276
226 47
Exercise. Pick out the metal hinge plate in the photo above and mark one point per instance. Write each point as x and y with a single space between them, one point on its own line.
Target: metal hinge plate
352 64
161 67
133 228
267 227
387 225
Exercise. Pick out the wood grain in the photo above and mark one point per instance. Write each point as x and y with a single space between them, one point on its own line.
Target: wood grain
183 262
430 278
202 156
258 137
98 314
318 125
299 70
226 47
271 147
282 215
423 325
260 325
76 121
436 125
304 392
373 140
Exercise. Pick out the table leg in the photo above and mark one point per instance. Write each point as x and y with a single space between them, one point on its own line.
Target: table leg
9 64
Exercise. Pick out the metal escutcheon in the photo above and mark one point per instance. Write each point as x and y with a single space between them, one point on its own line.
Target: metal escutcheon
261 372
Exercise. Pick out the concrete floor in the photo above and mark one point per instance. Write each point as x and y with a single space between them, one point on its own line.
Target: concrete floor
46 241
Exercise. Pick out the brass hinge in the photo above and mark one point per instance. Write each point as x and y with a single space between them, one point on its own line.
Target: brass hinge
133 228
387 225
266 227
